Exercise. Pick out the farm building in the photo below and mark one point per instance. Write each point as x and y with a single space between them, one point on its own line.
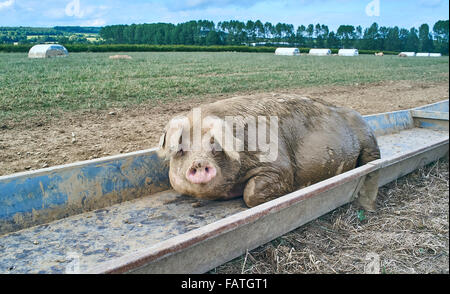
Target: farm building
435 54
408 54
287 51
319 52
47 50
348 52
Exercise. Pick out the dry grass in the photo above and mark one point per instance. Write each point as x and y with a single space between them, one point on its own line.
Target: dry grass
409 232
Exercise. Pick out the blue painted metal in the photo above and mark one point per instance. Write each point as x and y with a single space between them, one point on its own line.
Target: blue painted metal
433 116
34 197
390 122
441 106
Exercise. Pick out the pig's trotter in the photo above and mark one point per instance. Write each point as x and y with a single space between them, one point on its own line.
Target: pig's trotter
263 188
369 191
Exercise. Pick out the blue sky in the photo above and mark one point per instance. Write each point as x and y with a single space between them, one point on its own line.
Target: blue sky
47 13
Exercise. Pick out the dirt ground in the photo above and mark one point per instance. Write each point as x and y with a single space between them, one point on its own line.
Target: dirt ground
43 142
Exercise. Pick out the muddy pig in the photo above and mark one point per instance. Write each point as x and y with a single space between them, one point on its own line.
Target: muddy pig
263 147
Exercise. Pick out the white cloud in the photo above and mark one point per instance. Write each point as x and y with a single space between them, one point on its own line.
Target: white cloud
6 4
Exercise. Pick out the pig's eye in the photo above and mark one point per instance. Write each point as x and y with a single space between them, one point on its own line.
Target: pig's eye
180 152
213 146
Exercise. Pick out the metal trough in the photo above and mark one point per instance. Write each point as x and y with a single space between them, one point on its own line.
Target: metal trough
117 214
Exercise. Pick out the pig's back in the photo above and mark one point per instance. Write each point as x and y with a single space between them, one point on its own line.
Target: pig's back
316 139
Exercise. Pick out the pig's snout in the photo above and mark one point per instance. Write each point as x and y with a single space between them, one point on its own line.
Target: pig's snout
201 172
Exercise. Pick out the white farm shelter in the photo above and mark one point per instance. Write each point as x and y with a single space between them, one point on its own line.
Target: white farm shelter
47 50
408 54
319 52
435 54
422 54
287 51
348 52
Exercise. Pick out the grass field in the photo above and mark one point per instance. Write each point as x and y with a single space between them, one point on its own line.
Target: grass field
93 81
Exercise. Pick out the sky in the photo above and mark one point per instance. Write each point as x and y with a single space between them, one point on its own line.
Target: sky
49 13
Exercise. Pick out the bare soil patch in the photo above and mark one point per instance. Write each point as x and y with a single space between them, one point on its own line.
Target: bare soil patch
48 141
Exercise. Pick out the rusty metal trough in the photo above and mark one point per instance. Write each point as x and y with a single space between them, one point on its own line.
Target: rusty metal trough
118 214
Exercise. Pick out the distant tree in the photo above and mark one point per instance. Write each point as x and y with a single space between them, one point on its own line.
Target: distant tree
269 30
300 35
392 41
321 34
332 40
289 34
371 38
412 41
310 33
212 38
382 36
425 39
403 37
278 31
250 29
346 34
358 37
259 29
233 32
441 35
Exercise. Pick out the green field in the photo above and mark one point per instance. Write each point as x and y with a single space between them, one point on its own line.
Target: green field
83 81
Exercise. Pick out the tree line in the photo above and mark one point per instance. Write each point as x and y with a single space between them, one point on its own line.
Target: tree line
59 34
233 32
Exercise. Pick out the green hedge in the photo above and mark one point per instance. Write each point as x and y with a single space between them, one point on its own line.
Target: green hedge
15 48
162 48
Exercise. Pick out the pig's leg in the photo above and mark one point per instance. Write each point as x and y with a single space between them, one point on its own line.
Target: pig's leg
265 187
369 191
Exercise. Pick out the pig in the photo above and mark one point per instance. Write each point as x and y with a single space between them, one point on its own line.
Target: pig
310 142
120 56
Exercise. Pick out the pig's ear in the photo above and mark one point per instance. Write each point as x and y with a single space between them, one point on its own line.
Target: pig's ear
170 143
